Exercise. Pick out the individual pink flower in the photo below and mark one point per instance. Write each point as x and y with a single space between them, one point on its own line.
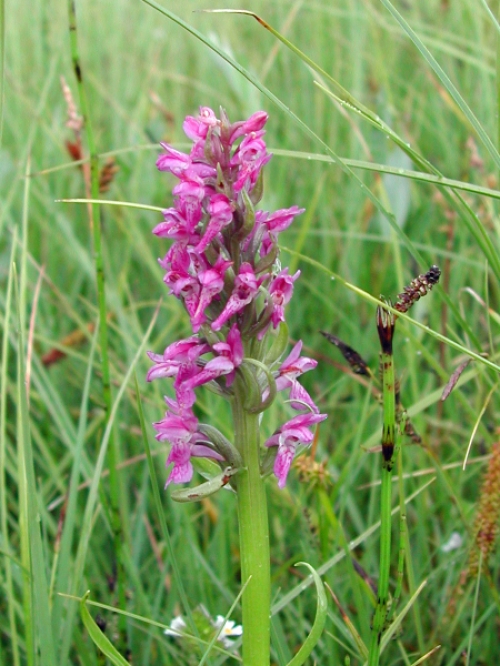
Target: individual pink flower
211 282
181 431
176 227
287 438
255 123
232 349
280 292
229 357
282 219
293 366
175 355
190 194
286 378
197 128
172 160
220 211
246 286
251 157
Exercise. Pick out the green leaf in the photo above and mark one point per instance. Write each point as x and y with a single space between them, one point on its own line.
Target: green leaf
389 634
102 642
205 489
36 588
319 621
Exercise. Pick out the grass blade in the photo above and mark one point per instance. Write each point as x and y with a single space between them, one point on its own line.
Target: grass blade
38 626
319 621
3 452
102 642
447 83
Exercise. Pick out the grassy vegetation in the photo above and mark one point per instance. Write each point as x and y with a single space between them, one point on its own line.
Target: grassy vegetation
371 222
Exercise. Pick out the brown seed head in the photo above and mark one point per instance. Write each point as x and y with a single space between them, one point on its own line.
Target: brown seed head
488 513
417 288
386 323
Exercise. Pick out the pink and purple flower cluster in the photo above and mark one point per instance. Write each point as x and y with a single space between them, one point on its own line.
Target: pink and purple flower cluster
223 266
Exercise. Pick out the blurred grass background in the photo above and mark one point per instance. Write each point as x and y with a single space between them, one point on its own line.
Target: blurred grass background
143 74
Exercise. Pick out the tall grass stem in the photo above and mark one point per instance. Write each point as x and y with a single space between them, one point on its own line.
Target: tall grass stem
95 224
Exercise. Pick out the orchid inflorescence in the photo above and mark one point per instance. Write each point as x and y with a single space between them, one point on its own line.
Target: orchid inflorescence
223 265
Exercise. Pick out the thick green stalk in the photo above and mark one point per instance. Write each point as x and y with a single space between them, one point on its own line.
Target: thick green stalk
95 221
402 531
385 325
385 563
254 538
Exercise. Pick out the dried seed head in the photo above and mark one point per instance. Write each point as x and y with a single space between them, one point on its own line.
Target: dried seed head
488 513
386 323
313 472
357 363
454 379
107 174
417 288
74 122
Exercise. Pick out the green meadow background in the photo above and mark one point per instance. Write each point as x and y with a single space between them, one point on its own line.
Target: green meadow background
418 96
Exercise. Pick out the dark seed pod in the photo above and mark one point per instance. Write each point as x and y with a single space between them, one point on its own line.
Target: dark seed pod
454 378
417 288
358 365
386 322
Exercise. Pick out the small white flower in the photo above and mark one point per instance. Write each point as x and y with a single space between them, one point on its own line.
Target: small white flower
227 629
453 543
176 628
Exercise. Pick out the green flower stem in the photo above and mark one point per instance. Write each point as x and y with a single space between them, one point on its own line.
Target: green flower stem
385 325
254 538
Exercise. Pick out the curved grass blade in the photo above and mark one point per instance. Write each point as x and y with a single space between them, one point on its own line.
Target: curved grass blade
474 225
419 176
368 297
426 656
90 507
102 642
388 635
359 642
491 15
290 596
7 568
476 424
128 204
405 240
161 515
319 621
447 83
39 634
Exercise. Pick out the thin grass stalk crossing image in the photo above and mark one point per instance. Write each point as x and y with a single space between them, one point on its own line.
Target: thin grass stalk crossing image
91 177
